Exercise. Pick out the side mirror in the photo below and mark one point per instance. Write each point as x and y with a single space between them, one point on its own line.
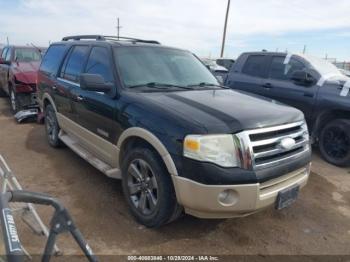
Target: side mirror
302 78
94 82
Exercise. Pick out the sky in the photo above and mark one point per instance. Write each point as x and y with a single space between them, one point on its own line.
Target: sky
323 26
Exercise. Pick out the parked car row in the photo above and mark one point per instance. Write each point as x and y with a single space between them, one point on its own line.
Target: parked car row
157 118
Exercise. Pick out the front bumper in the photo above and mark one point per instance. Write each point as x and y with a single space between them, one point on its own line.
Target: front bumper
209 201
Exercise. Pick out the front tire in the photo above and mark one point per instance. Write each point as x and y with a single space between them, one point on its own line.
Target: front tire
334 142
51 126
14 102
148 187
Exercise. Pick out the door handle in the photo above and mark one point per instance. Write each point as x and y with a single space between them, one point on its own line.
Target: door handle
267 85
80 98
54 87
307 94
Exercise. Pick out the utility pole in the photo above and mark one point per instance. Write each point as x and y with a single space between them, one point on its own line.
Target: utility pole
304 50
225 27
118 27
7 39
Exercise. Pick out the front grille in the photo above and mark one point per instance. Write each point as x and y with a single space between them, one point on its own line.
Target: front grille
264 145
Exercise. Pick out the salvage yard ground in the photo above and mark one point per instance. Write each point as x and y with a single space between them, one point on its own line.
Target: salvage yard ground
318 223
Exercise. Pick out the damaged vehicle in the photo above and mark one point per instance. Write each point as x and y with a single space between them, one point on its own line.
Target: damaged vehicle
313 85
18 74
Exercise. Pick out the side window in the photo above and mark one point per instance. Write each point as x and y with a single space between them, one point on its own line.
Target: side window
52 59
8 55
281 71
3 54
99 63
75 63
255 65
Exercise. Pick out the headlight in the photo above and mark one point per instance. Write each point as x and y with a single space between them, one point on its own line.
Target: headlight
218 149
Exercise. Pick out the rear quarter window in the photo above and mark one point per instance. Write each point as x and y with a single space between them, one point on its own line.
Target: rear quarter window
52 59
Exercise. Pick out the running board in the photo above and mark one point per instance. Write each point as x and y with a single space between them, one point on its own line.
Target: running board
93 160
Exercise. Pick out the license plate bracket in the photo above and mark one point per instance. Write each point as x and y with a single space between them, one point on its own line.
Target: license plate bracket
287 197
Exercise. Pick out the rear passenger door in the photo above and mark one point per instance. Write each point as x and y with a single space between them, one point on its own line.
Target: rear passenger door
68 80
252 74
283 89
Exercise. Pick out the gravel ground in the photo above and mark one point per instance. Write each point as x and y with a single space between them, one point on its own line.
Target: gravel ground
317 224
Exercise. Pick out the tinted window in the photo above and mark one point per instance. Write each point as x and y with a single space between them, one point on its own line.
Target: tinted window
99 63
255 66
281 71
52 59
8 55
3 55
75 63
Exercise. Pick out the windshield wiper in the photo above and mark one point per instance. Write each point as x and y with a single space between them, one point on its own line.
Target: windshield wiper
162 86
204 84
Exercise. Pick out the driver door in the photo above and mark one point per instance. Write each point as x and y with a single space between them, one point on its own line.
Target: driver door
280 87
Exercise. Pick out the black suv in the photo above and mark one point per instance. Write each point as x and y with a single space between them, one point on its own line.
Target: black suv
155 117
313 85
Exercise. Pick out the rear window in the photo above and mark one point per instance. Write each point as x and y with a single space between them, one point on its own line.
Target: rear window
52 59
255 65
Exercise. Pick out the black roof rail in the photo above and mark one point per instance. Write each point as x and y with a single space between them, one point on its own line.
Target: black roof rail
117 38
80 37
108 37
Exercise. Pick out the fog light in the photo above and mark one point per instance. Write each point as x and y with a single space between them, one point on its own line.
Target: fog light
228 197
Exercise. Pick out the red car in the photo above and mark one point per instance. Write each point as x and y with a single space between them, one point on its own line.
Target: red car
18 73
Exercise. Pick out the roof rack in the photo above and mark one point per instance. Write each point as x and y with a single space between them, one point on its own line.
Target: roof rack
117 38
80 37
111 38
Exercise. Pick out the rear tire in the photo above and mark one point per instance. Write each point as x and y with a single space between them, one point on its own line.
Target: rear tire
334 142
51 126
148 187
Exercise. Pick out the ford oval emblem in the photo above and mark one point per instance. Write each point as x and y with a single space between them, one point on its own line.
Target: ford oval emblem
287 143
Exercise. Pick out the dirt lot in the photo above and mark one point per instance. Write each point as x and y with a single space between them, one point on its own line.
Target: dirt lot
318 223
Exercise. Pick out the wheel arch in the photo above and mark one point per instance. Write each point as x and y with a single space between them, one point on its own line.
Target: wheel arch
47 99
136 135
326 117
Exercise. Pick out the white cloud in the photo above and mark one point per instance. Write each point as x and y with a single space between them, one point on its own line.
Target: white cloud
191 24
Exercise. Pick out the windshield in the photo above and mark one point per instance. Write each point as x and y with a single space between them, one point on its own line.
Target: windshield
143 65
27 55
322 66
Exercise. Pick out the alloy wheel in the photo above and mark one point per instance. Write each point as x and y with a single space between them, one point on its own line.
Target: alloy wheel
142 186
50 125
336 142
13 101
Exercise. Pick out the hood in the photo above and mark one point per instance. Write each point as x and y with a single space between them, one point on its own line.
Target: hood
226 111
338 80
26 72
